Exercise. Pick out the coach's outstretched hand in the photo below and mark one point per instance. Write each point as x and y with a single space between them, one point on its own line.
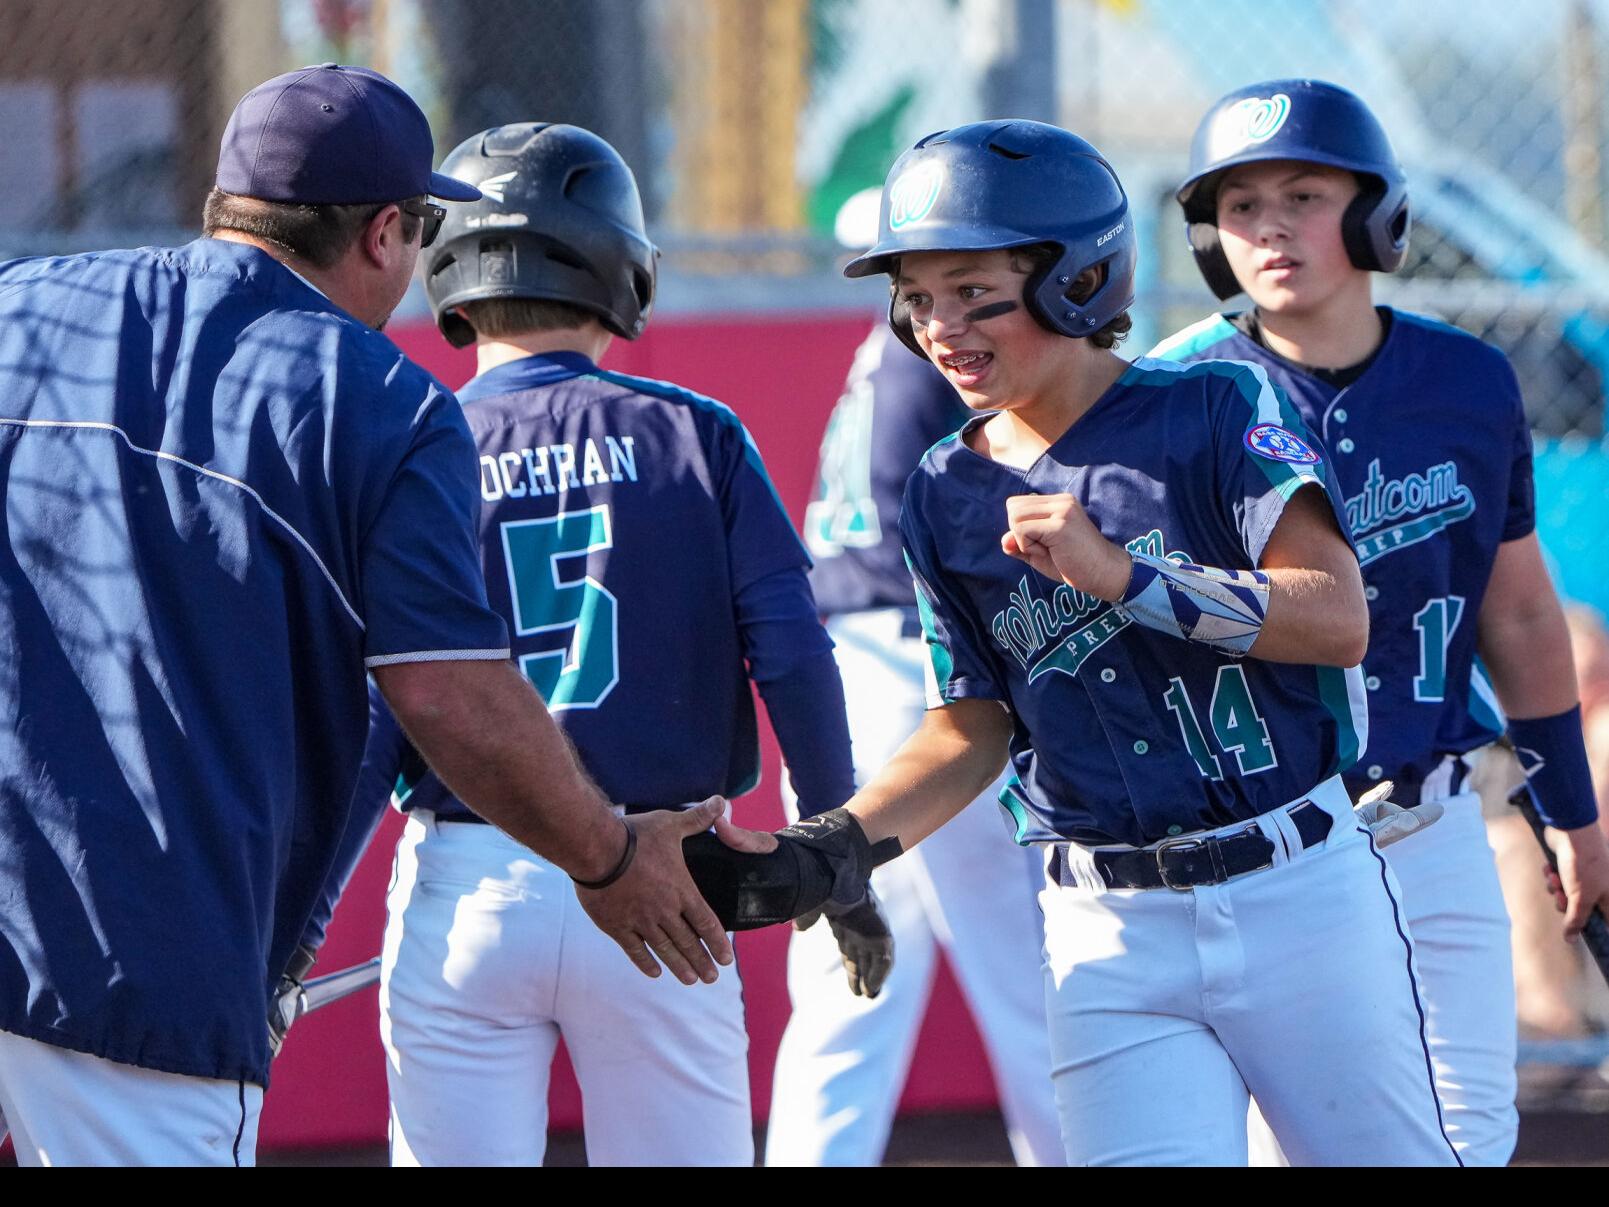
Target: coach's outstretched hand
654 908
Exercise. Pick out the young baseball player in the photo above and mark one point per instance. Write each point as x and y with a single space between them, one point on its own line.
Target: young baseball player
969 891
1135 583
1295 196
648 572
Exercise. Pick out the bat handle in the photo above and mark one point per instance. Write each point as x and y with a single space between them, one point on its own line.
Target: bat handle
1596 936
1596 933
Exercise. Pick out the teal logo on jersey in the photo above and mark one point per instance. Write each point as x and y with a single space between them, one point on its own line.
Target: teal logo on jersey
1257 119
844 513
1393 513
1059 634
914 195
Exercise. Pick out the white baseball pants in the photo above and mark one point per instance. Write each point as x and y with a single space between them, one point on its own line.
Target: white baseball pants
1460 932
70 1108
968 890
1460 928
1297 984
489 961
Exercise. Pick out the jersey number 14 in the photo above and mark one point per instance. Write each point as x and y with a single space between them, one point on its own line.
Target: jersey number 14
585 671
1236 724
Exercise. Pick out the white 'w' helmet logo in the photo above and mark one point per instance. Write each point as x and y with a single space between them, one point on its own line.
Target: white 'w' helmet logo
1257 119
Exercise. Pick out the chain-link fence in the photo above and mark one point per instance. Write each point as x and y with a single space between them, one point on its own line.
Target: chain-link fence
750 121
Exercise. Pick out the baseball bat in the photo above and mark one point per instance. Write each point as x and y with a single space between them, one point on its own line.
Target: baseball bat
1596 933
320 991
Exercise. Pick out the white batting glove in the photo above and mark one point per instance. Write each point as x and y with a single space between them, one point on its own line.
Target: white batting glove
1391 823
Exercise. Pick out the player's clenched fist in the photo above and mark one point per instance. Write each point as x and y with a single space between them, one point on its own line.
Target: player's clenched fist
1054 536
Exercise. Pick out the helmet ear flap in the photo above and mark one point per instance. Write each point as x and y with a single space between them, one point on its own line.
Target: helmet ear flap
899 320
1210 259
456 328
1375 226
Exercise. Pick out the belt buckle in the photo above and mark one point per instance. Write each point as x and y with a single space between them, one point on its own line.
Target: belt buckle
1175 844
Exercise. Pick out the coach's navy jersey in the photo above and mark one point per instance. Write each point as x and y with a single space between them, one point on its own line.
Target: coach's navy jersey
895 406
1123 733
1433 455
619 519
222 496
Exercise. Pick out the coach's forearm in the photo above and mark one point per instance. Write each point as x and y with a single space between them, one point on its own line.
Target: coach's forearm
487 734
955 754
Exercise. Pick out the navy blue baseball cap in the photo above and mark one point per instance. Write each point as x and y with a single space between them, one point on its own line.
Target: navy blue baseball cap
332 135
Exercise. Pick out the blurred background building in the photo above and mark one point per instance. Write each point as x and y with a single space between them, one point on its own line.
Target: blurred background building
749 122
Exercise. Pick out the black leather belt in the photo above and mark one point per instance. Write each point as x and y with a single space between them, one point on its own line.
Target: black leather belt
1187 863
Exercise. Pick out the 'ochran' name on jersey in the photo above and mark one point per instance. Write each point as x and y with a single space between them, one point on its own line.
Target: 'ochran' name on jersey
551 469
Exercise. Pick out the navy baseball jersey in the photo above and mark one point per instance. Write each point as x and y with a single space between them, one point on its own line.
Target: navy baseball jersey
619 519
1432 454
894 408
222 497
1122 733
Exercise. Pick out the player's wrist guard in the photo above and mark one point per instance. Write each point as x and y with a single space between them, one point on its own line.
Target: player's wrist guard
1553 753
1224 609
820 860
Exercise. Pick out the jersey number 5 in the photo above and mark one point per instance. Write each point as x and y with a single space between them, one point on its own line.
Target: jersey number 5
585 671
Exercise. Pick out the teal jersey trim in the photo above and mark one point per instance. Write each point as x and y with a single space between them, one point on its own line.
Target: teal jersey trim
1194 339
1484 709
720 411
938 654
1011 800
1345 697
1267 402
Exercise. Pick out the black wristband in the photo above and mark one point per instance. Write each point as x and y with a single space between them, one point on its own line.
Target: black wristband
629 854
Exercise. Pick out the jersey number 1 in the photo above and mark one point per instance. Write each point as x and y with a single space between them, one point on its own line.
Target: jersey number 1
583 673
1236 723
1435 622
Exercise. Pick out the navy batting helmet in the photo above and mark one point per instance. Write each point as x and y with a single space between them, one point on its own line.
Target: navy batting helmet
990 186
1313 122
559 219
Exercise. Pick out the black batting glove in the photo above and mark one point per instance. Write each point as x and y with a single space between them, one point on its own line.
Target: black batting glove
865 941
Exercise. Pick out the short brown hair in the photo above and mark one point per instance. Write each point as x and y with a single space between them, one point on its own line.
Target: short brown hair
499 318
1028 260
317 234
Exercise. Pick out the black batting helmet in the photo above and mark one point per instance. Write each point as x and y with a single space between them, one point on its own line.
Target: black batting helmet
991 186
559 219
1313 122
